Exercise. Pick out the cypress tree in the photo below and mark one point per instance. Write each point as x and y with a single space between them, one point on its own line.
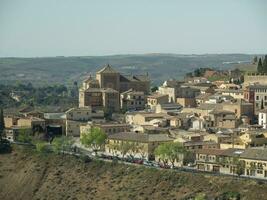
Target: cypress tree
264 64
260 67
2 123
255 59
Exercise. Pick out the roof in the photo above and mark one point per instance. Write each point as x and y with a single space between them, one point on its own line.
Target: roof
153 114
54 115
203 96
156 95
134 78
254 154
101 90
210 151
196 143
208 106
222 112
107 69
131 91
140 137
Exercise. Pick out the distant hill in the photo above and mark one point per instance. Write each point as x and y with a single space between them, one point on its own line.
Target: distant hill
66 70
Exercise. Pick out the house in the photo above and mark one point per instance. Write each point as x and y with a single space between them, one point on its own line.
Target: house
170 88
224 119
168 108
76 117
36 124
135 145
55 123
202 98
241 108
257 95
147 118
236 94
255 161
132 100
107 99
262 118
201 123
255 138
218 160
194 145
186 102
155 99
10 121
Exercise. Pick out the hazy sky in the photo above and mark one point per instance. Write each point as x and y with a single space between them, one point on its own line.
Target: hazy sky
104 27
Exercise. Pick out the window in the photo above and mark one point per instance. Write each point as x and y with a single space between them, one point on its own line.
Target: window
257 98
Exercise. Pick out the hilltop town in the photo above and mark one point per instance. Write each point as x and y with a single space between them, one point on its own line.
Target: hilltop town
212 121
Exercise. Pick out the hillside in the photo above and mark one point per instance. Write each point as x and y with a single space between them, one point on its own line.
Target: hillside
66 70
27 175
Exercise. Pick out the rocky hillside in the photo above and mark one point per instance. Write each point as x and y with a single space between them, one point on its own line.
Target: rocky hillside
28 175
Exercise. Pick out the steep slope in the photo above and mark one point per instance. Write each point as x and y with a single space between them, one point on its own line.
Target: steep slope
27 175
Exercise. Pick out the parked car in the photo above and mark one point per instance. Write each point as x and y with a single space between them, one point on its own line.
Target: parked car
138 161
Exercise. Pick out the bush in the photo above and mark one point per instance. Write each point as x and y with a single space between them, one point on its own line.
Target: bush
5 146
42 147
24 136
85 159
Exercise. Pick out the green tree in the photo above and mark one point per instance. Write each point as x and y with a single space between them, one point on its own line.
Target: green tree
125 147
260 66
2 124
94 139
154 89
170 152
264 64
255 59
61 144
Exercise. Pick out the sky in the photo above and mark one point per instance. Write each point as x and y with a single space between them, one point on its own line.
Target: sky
41 28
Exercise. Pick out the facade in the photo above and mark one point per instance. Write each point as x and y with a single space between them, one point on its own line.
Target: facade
36 124
255 161
218 160
132 100
168 108
256 94
155 99
224 119
110 78
10 121
137 145
262 118
108 128
75 117
100 98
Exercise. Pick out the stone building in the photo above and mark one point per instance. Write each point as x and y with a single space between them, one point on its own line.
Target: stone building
132 100
256 94
100 98
110 78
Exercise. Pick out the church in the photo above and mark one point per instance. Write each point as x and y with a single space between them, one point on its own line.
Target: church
110 78
104 91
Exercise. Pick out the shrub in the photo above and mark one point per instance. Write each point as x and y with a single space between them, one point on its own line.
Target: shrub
5 146
42 147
